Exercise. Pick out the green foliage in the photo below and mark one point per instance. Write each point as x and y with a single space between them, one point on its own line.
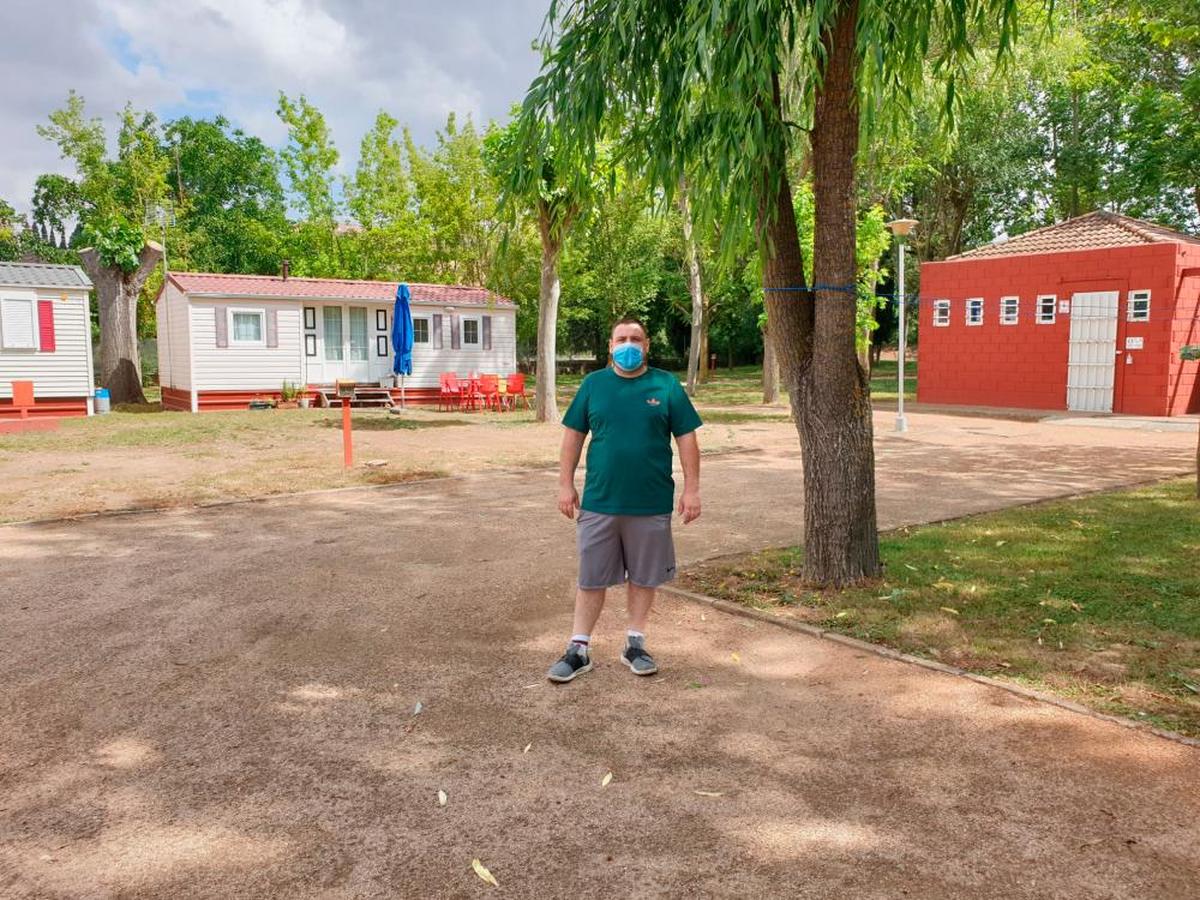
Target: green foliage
232 215
117 241
309 158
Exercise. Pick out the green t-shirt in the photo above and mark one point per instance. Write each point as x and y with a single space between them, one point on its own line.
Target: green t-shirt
631 421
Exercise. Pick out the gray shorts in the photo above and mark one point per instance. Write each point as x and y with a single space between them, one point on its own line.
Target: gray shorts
615 548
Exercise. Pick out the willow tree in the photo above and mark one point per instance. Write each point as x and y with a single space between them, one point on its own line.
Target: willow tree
700 87
540 177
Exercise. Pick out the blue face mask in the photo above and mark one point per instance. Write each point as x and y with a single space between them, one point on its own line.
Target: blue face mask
628 357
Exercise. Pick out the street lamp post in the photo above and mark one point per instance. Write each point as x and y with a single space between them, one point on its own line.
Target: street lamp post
900 228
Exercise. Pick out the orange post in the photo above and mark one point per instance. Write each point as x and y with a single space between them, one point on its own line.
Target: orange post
347 439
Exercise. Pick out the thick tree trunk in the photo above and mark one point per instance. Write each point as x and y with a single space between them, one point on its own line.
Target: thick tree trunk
694 288
770 367
815 333
705 372
545 398
117 302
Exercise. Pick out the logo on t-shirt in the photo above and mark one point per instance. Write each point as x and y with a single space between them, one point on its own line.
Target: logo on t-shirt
653 401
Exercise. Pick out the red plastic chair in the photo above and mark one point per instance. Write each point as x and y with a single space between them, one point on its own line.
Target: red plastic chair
450 392
489 391
516 389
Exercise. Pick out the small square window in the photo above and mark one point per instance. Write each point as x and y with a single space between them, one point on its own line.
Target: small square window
310 318
470 332
975 311
941 313
1139 306
1046 305
381 320
247 327
381 345
420 331
1010 309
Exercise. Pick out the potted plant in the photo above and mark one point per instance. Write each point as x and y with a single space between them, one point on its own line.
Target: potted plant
289 395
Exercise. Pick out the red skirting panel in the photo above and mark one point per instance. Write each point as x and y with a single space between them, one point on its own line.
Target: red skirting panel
176 399
47 408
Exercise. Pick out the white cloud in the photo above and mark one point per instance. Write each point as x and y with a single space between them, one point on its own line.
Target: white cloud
351 58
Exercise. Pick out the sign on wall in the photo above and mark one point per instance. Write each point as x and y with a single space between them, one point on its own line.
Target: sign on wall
1134 343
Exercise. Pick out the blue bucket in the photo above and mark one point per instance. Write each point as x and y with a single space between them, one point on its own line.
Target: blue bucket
102 401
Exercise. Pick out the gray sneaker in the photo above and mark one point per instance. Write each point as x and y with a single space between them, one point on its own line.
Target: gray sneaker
574 662
635 656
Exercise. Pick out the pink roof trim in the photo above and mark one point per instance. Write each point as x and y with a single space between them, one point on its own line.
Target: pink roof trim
276 288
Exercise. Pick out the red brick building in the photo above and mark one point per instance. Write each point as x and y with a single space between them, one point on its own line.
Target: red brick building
1088 315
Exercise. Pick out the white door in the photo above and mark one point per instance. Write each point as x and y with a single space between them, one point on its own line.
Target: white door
345 349
358 347
1092 357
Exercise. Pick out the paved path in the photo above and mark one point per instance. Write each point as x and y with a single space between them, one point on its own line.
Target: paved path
219 703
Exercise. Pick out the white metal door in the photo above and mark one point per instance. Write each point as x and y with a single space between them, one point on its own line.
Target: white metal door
1091 360
358 348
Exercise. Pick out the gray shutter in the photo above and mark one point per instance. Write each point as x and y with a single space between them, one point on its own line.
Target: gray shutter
272 327
455 333
437 331
487 332
222 323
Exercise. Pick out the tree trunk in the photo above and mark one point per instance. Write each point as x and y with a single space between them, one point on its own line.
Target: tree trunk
694 288
117 303
770 367
705 372
545 398
815 331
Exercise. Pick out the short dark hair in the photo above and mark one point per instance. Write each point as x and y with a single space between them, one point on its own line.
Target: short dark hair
630 320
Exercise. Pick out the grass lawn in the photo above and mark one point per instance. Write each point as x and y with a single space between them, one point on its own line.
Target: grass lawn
1096 599
742 385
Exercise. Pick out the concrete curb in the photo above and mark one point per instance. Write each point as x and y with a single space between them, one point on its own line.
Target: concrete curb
813 631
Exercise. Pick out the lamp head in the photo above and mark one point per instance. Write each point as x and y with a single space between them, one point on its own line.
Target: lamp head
901 227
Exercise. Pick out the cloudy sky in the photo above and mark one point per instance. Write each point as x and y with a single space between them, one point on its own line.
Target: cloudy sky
416 59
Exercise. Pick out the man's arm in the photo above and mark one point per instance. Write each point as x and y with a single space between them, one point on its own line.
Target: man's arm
568 461
689 458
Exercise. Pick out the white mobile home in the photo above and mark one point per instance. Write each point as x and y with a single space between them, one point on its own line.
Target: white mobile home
224 340
46 338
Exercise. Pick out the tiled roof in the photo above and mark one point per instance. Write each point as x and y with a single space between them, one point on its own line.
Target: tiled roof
42 275
1087 232
291 288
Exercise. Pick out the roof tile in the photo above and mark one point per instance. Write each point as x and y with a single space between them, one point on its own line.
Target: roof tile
292 288
1092 231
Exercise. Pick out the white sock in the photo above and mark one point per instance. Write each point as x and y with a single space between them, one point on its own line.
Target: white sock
584 641
631 633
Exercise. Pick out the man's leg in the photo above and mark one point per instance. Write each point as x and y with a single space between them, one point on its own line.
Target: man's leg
638 601
588 605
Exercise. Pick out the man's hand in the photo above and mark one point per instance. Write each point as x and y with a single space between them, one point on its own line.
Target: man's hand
568 501
689 505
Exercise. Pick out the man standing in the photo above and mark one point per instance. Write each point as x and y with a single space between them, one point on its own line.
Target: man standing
624 528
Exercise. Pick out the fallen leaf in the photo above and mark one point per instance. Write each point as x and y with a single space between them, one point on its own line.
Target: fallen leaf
943 585
1049 622
949 609
535 684
527 746
735 657
1001 543
702 618
1005 665
441 798
604 782
483 873
842 614
1077 523
417 709
709 793
907 566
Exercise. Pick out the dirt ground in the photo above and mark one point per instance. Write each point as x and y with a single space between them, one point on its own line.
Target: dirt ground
240 455
223 703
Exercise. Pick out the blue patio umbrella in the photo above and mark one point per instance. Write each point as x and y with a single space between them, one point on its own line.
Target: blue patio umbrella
402 336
